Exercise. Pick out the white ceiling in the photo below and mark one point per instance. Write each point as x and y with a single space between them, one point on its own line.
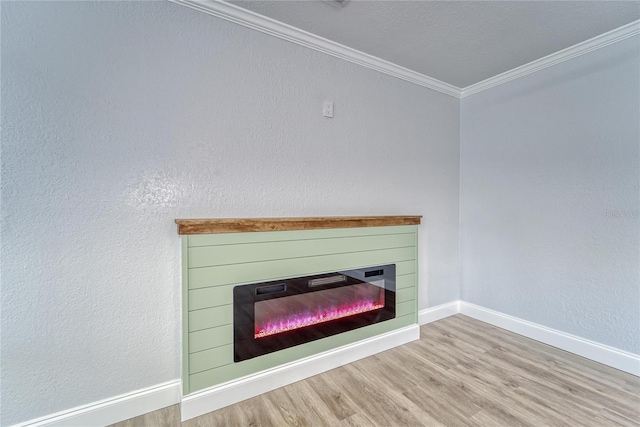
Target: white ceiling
457 42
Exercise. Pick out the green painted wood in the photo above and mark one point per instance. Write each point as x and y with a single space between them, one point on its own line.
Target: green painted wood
210 338
208 359
406 294
405 281
223 355
210 297
417 288
222 295
277 236
223 315
206 256
231 371
222 261
272 270
405 308
185 309
210 317
405 267
218 336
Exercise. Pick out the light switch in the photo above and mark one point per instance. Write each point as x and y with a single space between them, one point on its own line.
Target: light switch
327 109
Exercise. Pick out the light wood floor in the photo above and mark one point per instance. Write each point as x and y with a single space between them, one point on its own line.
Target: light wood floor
462 372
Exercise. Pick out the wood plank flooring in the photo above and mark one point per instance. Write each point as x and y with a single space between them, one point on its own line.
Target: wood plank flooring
462 372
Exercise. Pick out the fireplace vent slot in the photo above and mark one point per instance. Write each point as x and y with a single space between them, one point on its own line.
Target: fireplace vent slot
373 273
271 289
327 280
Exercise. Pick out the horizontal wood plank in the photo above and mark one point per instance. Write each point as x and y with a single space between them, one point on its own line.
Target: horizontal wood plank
294 267
195 240
207 256
405 308
405 280
211 358
230 371
243 225
210 297
216 336
210 338
406 294
210 317
215 296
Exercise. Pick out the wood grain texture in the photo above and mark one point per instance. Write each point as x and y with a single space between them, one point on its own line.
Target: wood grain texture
462 372
244 225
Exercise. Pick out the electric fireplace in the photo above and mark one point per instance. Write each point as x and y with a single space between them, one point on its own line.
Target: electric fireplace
275 315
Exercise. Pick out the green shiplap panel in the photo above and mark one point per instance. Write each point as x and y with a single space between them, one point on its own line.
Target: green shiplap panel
210 317
209 338
210 297
405 267
222 295
207 256
203 339
248 258
277 236
185 309
406 294
405 308
212 358
405 281
231 371
223 355
273 270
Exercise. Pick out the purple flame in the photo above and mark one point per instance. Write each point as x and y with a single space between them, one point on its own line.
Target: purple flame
295 321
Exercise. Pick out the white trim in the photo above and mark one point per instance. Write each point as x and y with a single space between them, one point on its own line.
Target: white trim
438 312
287 32
610 356
249 19
255 21
235 391
129 405
587 46
115 409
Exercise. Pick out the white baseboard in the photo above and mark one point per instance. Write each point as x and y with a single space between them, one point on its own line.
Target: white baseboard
438 312
113 410
244 388
146 400
610 356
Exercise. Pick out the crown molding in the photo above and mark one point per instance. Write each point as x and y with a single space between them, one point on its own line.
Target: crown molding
587 46
281 30
249 19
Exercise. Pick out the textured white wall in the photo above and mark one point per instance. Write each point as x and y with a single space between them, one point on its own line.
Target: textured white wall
118 117
549 222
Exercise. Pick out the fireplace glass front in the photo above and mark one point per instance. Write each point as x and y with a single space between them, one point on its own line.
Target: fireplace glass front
275 315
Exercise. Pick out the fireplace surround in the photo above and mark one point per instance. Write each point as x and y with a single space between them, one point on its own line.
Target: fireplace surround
222 255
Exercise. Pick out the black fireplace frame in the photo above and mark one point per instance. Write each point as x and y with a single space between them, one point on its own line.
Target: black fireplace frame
246 346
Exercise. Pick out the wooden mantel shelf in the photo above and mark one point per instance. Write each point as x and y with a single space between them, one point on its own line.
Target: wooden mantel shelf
243 225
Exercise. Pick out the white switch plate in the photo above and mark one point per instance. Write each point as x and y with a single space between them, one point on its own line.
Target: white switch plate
327 109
